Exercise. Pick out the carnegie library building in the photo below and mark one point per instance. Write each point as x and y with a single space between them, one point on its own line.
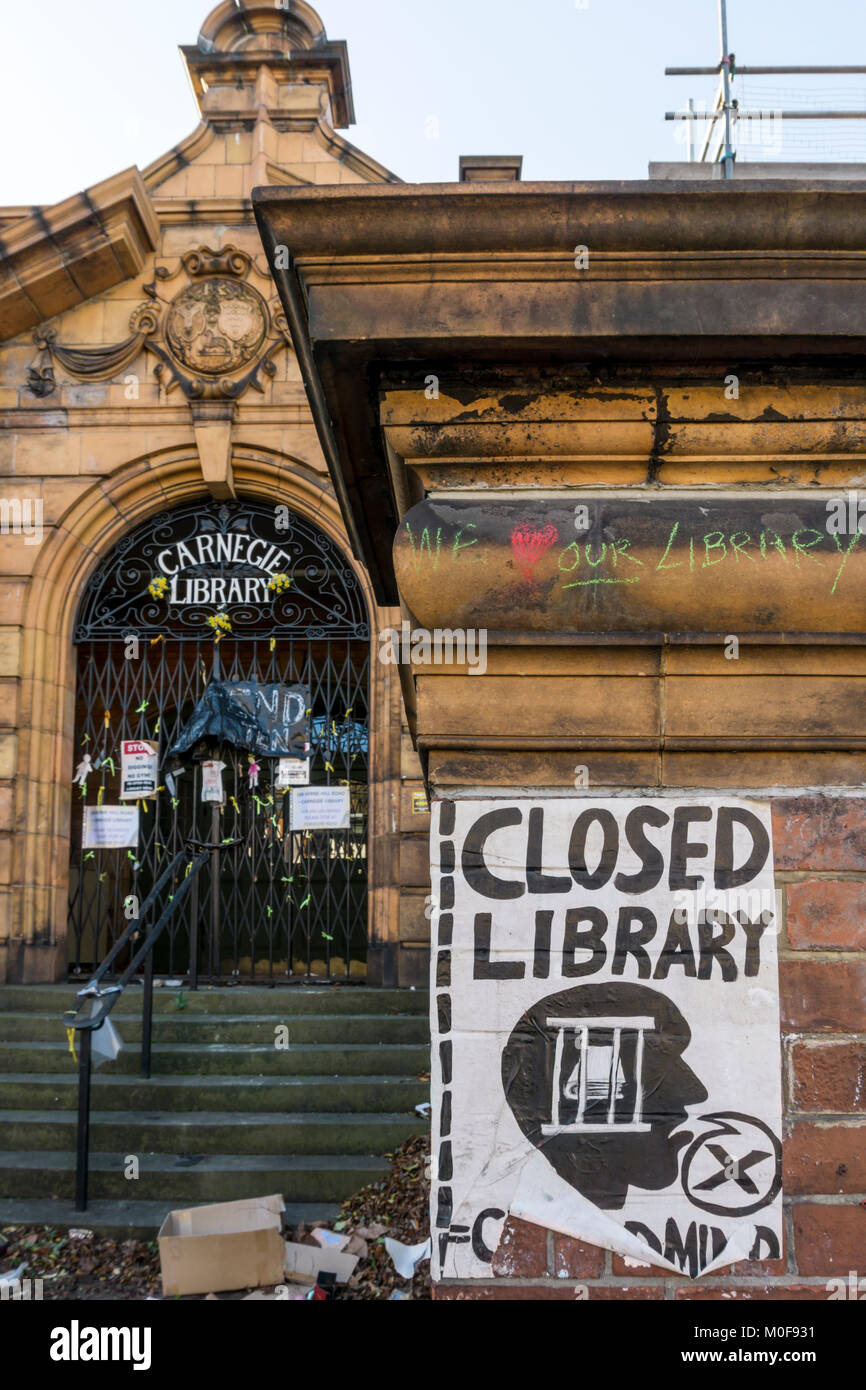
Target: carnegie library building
453 587
157 437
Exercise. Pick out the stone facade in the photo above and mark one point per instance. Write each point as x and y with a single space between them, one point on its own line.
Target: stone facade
110 414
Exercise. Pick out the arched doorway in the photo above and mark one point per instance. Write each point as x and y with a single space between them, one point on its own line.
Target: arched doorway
287 903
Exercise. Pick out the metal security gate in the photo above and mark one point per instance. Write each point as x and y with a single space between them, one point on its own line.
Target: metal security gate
234 592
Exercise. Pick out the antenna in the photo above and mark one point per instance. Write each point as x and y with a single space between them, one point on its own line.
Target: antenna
726 110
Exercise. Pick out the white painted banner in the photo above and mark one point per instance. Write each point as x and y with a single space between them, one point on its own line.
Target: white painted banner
110 827
606 1046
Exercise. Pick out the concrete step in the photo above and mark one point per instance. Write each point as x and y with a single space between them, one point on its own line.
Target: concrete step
189 1132
215 1178
237 1029
324 999
203 1059
313 1120
286 1094
127 1220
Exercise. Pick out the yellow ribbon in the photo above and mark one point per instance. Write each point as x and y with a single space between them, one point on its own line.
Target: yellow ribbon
70 1038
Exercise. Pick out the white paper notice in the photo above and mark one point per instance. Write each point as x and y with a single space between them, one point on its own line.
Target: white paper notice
321 808
212 783
110 827
293 772
606 1029
138 776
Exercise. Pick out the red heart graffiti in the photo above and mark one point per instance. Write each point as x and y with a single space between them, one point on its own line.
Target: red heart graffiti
529 544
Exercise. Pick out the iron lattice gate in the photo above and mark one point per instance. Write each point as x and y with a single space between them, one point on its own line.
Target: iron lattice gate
284 904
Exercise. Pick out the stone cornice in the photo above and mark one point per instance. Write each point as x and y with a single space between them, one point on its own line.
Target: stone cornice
449 282
772 215
60 256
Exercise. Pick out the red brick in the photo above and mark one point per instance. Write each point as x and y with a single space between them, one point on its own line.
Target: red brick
820 832
638 1271
626 1293
751 1293
513 1293
823 996
572 1259
828 915
829 1239
522 1252
561 1293
829 1077
825 1159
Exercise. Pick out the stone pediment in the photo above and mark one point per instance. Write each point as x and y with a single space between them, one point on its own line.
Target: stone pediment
60 256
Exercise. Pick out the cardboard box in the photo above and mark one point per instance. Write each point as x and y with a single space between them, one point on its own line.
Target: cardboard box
304 1263
217 1249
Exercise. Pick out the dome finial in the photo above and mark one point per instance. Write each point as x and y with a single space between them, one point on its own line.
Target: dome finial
240 37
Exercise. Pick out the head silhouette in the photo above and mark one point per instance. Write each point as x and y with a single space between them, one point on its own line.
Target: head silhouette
596 1080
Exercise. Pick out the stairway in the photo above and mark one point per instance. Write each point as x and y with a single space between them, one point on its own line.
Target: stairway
227 1114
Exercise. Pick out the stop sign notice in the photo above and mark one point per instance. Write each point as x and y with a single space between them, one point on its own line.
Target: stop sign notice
138 776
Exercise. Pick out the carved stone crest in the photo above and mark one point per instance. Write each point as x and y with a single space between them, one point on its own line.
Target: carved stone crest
216 326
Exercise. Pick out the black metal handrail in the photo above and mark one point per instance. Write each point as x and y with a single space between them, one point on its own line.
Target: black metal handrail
108 997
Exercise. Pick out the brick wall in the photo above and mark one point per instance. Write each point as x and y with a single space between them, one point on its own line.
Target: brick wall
820 849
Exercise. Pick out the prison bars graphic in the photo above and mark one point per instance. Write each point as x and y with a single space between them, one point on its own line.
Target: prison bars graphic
582 1028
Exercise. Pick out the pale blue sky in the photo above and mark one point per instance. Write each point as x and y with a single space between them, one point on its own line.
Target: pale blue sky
88 87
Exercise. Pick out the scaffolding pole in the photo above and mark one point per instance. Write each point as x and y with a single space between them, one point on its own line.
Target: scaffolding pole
718 143
728 156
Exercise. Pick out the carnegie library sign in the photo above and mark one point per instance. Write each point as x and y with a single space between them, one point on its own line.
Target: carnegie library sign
235 554
186 566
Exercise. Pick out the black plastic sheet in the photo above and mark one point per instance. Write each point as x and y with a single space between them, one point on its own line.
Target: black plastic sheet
269 721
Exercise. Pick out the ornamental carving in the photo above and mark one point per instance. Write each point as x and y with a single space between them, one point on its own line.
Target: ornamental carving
214 337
